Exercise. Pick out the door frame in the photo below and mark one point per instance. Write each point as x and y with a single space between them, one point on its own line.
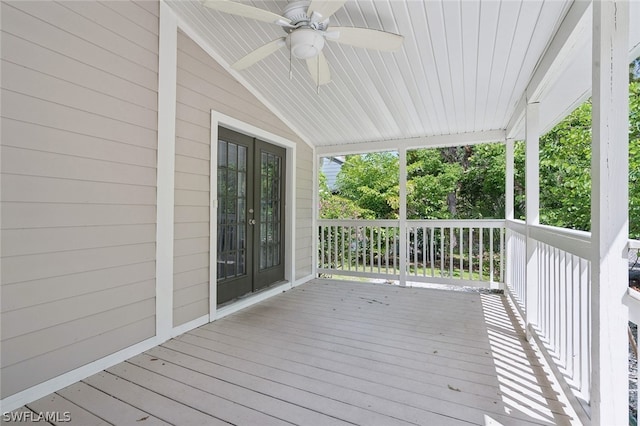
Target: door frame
219 119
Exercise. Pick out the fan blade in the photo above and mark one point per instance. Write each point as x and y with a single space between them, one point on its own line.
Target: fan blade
259 54
324 8
245 11
365 37
319 69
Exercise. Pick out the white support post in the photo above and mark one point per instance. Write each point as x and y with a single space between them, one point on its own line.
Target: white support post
509 211
609 213
402 158
532 199
165 173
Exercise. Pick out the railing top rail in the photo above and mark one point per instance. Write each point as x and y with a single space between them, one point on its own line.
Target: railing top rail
634 244
516 225
458 223
359 222
571 233
445 223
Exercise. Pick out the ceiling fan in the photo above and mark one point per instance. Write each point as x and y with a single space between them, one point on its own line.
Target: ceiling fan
307 26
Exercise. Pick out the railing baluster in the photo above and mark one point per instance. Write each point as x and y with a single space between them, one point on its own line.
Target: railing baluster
451 252
386 250
460 230
471 252
502 244
432 256
424 251
575 311
321 246
491 277
441 252
416 250
379 251
481 252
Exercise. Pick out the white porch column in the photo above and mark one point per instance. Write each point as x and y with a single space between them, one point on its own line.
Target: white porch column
532 199
509 213
609 213
402 158
509 193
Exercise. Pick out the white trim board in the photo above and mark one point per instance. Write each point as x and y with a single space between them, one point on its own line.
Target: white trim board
259 297
43 389
435 141
251 300
188 326
167 82
219 119
193 35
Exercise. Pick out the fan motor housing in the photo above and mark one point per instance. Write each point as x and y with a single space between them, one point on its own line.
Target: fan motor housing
297 11
305 43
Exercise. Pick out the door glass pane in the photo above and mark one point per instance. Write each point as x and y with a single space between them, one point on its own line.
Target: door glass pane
270 189
232 190
222 153
233 157
242 158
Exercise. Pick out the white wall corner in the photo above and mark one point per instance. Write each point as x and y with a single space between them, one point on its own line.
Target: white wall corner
167 70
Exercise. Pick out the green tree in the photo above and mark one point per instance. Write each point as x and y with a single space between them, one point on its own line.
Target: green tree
468 182
634 157
565 172
565 169
432 184
371 181
333 206
482 193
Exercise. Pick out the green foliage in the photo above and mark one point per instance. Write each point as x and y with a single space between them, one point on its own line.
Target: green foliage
565 172
482 186
468 182
430 180
371 180
634 158
333 206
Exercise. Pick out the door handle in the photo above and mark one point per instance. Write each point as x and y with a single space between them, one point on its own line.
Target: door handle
252 222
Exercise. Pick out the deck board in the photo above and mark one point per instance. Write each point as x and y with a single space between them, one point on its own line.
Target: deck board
106 406
334 352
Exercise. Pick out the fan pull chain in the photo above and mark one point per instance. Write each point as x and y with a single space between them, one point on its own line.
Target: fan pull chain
290 61
318 76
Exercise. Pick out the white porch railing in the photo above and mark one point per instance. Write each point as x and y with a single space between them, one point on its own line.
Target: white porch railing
462 252
485 253
563 288
632 300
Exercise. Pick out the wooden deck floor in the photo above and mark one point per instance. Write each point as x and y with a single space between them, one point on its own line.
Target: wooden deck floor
331 352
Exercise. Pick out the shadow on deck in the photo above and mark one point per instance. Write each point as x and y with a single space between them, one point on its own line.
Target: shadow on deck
332 352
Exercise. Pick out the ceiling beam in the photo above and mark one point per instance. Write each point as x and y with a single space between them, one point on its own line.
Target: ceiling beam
457 139
552 62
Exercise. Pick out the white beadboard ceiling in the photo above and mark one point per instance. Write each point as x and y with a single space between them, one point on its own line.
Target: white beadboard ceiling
463 67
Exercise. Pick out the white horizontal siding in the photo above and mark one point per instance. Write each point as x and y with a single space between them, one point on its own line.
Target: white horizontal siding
79 132
192 181
304 212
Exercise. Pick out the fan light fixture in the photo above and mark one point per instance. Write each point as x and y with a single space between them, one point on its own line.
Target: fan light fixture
306 24
305 43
